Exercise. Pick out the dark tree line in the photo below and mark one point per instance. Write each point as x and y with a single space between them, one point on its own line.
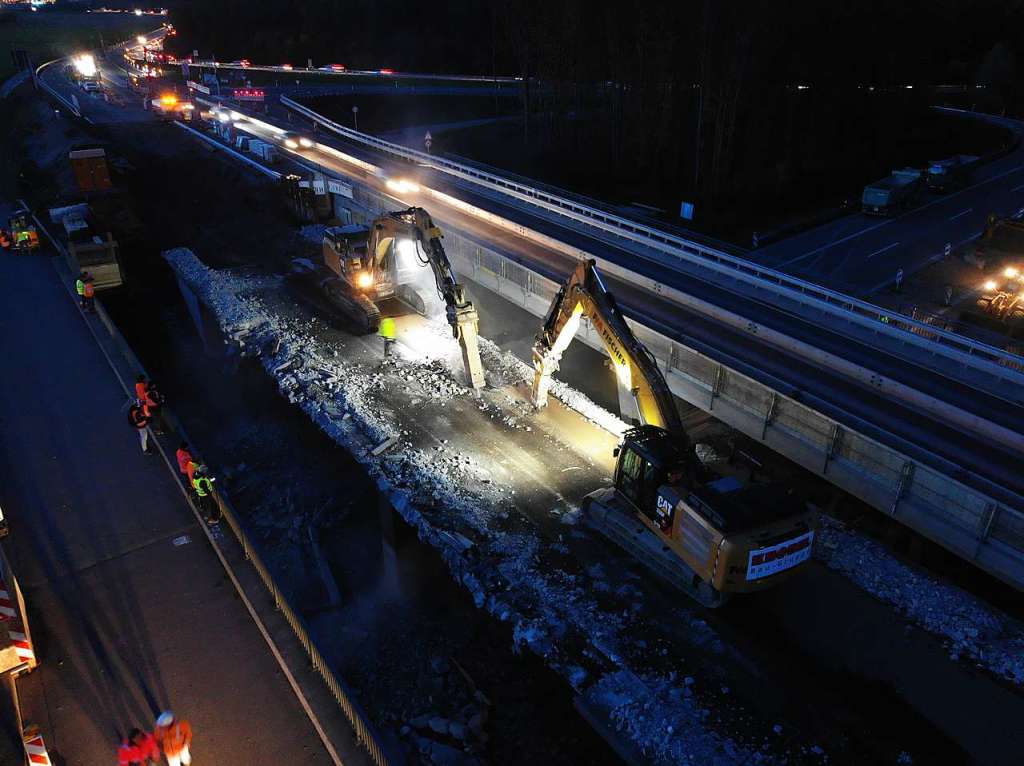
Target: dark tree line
701 98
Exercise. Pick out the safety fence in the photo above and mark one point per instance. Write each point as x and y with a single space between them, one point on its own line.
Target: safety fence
657 244
366 733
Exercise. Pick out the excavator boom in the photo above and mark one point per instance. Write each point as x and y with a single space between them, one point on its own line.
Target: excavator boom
415 226
584 295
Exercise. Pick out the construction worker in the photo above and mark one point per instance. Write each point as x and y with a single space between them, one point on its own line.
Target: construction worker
147 392
174 737
89 295
202 483
186 463
5 239
139 416
80 288
387 332
128 752
145 747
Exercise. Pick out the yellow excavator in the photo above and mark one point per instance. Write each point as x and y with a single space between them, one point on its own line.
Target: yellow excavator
385 260
707 534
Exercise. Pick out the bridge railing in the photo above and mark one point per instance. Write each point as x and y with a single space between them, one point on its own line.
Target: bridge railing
847 309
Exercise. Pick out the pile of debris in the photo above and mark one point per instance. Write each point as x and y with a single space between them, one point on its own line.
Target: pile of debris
456 735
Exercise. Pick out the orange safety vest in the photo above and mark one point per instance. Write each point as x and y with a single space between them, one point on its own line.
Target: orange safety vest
88 291
174 738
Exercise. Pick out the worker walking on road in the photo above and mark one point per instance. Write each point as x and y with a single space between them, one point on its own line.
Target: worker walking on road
387 332
186 463
174 737
5 239
146 748
202 483
139 416
80 288
146 392
89 295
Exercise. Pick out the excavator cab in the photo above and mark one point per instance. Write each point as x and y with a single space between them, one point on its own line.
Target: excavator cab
648 459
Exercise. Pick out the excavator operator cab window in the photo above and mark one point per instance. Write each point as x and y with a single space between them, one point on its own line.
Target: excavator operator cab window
639 479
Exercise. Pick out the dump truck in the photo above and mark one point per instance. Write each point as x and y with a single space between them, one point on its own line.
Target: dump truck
90 248
951 173
709 535
892 194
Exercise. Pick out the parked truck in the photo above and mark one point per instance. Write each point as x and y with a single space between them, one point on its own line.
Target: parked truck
892 194
951 173
91 245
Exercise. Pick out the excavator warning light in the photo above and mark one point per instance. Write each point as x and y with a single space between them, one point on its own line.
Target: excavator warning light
168 99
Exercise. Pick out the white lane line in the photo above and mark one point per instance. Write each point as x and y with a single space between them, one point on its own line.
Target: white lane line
888 221
962 212
1017 188
879 252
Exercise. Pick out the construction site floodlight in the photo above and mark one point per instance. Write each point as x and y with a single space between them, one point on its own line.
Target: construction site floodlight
364 280
1011 272
141 40
990 285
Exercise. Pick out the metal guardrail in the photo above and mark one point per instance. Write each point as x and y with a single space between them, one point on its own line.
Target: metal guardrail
964 351
365 733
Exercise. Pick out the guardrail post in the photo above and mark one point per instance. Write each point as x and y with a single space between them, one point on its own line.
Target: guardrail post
902 486
833 446
716 387
769 414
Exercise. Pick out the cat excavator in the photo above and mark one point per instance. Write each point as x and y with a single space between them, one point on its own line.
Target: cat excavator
368 265
707 534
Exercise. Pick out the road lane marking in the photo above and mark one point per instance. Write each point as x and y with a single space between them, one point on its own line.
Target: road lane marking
879 252
1017 188
915 211
962 212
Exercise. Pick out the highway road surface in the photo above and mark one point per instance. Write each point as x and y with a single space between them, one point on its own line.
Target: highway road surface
859 254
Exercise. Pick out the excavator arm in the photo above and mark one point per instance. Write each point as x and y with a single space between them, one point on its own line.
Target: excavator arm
584 295
415 225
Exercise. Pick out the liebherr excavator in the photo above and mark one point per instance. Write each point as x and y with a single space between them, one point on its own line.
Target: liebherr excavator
706 534
367 266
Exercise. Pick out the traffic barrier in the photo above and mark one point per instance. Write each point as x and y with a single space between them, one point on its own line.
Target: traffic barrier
35 747
22 647
7 611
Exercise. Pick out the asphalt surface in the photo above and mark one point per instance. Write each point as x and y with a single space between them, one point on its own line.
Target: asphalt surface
130 610
859 254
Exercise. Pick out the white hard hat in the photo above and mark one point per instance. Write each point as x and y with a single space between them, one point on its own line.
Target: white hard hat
166 718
